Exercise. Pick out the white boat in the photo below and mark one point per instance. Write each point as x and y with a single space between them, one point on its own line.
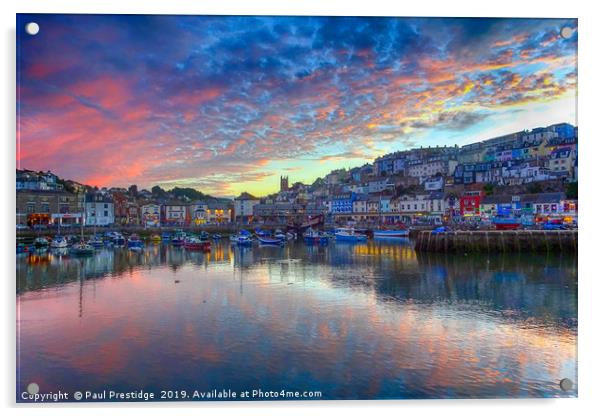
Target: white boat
400 233
40 242
243 238
58 242
349 234
81 249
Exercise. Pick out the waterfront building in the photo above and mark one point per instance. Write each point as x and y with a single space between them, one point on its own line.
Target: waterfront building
150 215
342 203
50 207
243 208
198 212
360 207
99 209
219 212
470 203
373 205
126 210
175 213
279 213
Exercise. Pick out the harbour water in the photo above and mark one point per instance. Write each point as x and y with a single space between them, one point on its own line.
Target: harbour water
350 321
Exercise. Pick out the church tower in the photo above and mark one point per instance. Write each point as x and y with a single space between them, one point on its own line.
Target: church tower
283 183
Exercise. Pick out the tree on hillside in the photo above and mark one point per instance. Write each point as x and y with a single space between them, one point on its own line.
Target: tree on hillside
571 190
488 189
158 192
534 188
133 190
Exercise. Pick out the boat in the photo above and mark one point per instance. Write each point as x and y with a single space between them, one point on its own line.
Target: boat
134 242
40 242
178 238
81 249
243 238
399 233
290 236
22 248
216 236
155 238
204 235
270 241
72 239
118 239
506 223
312 236
262 233
280 235
349 235
96 241
58 242
440 230
196 243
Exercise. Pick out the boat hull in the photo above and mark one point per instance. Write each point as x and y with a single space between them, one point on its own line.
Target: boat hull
507 226
204 246
350 238
392 234
270 241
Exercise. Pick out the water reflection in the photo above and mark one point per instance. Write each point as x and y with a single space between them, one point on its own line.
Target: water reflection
371 320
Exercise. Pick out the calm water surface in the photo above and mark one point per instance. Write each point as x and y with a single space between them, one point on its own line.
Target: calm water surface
367 321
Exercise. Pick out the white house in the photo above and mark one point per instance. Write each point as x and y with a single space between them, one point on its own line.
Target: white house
243 207
99 209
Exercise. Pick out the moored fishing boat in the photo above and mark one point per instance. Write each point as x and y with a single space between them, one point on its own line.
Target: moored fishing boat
280 235
178 238
165 236
262 233
96 241
196 243
58 242
243 238
135 243
216 236
155 238
81 249
506 223
269 241
349 235
118 239
312 236
398 233
22 248
40 242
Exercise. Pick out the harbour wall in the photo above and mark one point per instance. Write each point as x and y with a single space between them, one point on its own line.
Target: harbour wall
535 241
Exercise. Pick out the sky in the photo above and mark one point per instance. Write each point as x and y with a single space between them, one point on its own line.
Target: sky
226 104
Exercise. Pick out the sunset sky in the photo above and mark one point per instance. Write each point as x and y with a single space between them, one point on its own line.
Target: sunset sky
228 104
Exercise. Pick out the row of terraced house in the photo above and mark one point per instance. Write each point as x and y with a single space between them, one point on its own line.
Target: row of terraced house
41 200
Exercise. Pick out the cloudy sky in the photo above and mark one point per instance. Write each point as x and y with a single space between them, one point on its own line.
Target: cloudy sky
226 104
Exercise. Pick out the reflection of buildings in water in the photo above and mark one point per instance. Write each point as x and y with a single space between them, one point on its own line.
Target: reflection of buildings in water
242 256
